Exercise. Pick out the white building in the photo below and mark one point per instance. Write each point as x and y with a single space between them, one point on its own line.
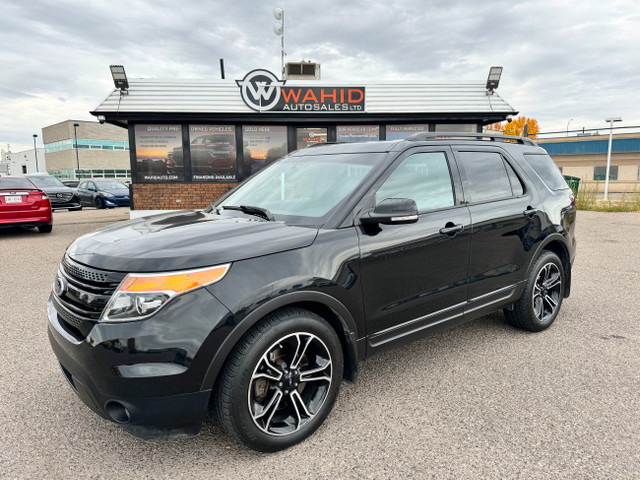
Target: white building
20 163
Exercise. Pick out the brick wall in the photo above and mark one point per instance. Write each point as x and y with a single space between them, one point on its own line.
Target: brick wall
163 196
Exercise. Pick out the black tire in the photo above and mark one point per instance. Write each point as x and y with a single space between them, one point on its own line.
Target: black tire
540 302
253 400
45 228
98 203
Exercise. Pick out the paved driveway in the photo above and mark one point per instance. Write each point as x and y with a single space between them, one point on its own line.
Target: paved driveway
483 400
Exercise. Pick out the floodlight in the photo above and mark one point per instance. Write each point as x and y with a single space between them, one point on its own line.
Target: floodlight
277 29
119 77
277 13
494 78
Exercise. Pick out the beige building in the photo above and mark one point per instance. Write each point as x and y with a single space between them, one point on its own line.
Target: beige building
586 157
102 150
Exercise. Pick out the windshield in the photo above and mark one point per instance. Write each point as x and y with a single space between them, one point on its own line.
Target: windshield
110 185
304 190
46 181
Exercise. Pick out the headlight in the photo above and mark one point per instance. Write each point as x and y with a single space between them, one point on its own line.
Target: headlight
142 294
107 194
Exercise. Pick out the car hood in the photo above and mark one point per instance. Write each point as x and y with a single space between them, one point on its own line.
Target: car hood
183 240
54 190
119 191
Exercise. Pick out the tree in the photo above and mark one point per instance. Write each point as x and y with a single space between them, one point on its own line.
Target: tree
516 127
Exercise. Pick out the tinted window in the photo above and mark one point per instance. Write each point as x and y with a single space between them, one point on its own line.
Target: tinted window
422 177
83 185
111 185
15 183
547 170
516 185
484 176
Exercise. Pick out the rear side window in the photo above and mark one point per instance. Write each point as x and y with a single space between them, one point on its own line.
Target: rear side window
486 177
15 183
547 170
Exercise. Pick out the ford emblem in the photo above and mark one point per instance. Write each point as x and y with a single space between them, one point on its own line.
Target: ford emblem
60 286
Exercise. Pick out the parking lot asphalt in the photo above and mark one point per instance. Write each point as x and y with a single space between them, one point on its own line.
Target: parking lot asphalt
481 401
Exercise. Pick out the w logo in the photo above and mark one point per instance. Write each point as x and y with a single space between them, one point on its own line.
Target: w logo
260 90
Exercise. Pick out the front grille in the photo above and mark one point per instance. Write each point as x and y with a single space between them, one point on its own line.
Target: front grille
87 291
65 197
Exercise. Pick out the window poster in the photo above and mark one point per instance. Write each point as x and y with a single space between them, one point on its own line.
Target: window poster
357 133
159 153
213 152
262 145
309 136
400 132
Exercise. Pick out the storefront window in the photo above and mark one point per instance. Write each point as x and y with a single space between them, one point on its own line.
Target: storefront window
457 127
600 173
400 132
357 133
262 145
213 152
159 153
310 135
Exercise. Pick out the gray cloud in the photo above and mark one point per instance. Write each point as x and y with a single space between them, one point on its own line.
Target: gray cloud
562 59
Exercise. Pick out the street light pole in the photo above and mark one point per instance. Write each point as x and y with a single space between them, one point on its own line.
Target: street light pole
570 120
35 150
75 135
606 176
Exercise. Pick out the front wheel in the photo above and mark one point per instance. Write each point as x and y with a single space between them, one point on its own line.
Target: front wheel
281 380
539 304
99 203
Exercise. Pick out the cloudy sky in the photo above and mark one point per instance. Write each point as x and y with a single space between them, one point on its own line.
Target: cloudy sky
562 60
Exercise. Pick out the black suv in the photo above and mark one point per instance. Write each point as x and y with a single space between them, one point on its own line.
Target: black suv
262 303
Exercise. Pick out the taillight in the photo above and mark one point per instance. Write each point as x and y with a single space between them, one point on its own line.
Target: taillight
572 197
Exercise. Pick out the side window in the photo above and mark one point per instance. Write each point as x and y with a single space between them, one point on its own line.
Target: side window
83 185
484 176
92 185
422 177
516 185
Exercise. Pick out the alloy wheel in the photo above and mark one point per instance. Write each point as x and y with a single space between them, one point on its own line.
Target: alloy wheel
290 384
547 292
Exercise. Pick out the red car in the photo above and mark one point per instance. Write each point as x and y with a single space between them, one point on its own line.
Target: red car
22 204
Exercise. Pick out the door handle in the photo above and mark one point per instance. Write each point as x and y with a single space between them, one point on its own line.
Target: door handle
451 229
530 211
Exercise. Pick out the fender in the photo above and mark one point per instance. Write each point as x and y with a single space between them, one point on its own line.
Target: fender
563 241
349 334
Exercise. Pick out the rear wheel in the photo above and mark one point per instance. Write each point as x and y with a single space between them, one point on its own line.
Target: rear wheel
45 228
540 302
98 203
281 380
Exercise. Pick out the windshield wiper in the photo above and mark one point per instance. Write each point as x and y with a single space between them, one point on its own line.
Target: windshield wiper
251 210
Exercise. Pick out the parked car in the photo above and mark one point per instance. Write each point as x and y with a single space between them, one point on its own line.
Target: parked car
23 204
101 193
262 303
61 196
71 183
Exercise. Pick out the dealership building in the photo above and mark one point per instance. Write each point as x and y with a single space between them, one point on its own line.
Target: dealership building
191 141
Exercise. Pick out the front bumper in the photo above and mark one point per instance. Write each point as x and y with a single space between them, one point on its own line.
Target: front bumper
116 201
145 375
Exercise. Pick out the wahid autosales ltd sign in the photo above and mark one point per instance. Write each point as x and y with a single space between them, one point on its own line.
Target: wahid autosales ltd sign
262 91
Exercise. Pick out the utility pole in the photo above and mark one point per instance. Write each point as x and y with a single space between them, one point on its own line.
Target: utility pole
278 29
35 150
610 120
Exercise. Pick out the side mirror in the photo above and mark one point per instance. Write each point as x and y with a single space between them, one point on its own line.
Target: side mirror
392 211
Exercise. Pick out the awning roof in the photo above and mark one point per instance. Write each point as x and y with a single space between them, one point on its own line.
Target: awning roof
191 97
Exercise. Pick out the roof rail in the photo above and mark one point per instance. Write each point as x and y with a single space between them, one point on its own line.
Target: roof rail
422 136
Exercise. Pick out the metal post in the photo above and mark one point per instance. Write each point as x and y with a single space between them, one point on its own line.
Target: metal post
282 46
570 120
75 135
606 175
35 150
